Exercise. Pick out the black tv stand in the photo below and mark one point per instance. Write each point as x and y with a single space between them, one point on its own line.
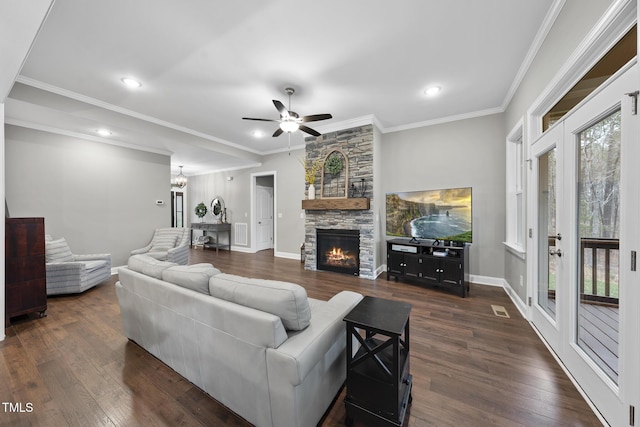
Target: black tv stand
429 263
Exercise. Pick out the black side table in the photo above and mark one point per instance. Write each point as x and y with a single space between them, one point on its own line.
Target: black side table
378 378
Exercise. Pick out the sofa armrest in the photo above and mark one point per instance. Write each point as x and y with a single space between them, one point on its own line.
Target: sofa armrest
297 356
93 257
69 267
179 254
141 250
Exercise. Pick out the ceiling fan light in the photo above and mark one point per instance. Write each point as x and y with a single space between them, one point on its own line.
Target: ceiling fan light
289 126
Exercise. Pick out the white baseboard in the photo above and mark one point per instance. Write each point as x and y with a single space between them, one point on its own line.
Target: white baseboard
487 280
515 299
287 255
245 249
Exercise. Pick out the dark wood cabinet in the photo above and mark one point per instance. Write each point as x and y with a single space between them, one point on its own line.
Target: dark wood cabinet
379 381
25 271
439 265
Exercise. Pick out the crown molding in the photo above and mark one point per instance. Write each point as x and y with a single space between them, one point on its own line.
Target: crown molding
101 104
538 40
442 120
95 138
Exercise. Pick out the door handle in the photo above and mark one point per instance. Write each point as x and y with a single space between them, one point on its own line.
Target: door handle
555 252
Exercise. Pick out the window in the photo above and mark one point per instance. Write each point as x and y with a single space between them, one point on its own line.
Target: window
515 192
623 51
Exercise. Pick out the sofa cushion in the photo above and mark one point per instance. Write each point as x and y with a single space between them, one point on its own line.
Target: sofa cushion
195 277
148 265
285 300
58 251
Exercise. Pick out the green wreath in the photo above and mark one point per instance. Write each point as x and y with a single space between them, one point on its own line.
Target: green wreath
333 165
201 210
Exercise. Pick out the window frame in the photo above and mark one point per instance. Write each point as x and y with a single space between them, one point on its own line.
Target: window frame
515 191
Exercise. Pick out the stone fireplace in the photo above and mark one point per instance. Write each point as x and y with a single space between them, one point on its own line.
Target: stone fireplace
357 144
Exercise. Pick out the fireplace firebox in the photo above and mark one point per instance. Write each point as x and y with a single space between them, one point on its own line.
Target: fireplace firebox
338 250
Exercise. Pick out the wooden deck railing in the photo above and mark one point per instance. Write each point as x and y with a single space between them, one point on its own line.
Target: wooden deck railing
599 274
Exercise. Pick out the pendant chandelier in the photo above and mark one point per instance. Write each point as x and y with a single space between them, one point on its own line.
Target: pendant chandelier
181 180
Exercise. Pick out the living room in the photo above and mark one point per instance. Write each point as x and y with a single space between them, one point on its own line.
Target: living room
55 176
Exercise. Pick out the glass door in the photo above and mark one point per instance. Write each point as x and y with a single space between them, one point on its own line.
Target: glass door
601 139
587 296
548 278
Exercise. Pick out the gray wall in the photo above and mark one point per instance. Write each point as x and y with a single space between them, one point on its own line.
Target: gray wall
576 19
289 192
466 153
99 197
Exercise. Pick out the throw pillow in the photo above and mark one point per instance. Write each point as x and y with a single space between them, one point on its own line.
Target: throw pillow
163 242
194 277
288 301
148 265
58 251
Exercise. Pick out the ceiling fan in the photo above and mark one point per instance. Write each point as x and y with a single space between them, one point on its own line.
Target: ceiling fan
290 121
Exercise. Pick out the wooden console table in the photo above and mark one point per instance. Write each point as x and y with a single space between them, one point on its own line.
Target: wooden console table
217 228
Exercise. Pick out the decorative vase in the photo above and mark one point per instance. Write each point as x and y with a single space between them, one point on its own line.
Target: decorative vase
312 192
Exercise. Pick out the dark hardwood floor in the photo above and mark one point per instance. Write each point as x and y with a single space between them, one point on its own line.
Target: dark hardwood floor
470 367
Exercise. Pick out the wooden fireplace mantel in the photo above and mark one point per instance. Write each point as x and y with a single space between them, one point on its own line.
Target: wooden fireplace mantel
349 204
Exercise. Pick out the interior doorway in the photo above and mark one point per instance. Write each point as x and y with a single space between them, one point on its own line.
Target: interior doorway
177 209
263 222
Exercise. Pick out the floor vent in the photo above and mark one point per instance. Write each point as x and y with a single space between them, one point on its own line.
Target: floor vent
500 311
240 233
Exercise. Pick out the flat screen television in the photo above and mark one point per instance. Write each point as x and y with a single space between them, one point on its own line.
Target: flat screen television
444 214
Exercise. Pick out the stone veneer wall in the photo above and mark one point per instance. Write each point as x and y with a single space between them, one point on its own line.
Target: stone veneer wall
357 144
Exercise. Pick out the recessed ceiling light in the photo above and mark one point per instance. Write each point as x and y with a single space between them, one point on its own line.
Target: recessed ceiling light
433 90
257 133
131 82
103 132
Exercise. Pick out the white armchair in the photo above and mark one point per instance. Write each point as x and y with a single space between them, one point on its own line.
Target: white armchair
68 273
168 244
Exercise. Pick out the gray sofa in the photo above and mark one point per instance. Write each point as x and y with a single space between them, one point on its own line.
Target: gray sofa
69 273
262 348
168 244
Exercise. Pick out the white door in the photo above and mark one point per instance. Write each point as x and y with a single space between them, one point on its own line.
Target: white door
264 217
548 275
594 325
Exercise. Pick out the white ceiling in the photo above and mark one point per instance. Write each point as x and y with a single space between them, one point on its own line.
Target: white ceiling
205 64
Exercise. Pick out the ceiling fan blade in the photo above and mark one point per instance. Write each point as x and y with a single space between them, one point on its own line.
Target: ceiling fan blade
281 108
278 132
260 120
316 117
310 131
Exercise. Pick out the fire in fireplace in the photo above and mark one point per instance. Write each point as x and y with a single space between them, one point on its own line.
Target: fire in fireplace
338 250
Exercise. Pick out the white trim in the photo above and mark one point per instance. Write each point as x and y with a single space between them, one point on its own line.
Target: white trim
541 35
487 280
252 225
101 104
584 395
236 168
72 134
516 250
471 115
245 249
286 255
515 299
351 123
614 24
